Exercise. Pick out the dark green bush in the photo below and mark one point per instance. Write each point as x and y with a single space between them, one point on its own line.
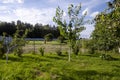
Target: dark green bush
106 57
48 37
76 49
58 51
91 51
18 52
3 49
61 39
41 50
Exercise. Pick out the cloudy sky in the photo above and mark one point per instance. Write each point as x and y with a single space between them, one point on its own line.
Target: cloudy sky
42 11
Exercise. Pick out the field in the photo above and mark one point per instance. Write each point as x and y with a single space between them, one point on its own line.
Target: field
53 67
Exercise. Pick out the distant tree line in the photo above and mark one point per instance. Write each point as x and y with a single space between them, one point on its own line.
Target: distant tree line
35 31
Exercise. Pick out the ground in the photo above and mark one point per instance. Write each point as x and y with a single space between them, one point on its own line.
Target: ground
53 67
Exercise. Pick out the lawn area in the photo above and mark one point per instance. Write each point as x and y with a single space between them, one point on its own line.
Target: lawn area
54 67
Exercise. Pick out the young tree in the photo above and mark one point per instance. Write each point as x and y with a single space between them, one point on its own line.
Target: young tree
71 27
18 42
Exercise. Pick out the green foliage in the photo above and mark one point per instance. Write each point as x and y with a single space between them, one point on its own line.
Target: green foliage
2 51
49 37
107 28
106 57
58 51
70 28
41 50
91 50
76 48
36 31
18 52
61 39
18 42
3 48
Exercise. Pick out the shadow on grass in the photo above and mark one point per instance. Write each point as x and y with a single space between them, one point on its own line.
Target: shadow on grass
61 57
87 75
117 66
13 58
26 59
92 55
99 56
35 58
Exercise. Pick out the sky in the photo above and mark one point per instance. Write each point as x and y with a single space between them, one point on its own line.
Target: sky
42 11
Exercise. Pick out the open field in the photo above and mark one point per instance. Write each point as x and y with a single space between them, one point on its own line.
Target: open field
53 67
50 47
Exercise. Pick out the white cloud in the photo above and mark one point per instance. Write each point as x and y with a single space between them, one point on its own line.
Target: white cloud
7 1
52 1
64 14
12 1
94 14
86 33
20 1
2 8
7 18
86 10
33 15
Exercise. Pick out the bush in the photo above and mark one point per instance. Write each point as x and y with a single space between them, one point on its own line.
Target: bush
41 50
61 39
106 57
91 51
18 52
76 49
58 51
3 49
48 37
2 52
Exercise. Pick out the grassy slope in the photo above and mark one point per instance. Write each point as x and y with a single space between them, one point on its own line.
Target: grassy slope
53 67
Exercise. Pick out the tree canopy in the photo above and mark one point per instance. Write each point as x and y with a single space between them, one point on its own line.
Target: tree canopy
106 35
70 27
36 31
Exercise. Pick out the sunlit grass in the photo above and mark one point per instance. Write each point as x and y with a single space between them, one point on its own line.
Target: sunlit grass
53 67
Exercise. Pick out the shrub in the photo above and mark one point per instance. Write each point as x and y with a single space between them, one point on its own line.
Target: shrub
3 49
106 57
18 52
48 37
1 52
91 51
58 51
76 49
61 39
41 50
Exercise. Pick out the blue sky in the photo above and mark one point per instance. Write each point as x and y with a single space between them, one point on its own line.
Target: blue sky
42 11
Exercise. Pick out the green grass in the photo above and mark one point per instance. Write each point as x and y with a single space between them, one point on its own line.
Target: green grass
53 67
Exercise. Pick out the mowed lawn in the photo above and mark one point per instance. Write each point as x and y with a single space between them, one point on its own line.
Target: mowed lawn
53 67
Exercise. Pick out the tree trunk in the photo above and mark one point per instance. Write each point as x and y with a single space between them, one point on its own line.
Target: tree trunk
119 49
69 54
7 55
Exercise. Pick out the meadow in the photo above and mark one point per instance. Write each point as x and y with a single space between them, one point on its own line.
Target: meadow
84 66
